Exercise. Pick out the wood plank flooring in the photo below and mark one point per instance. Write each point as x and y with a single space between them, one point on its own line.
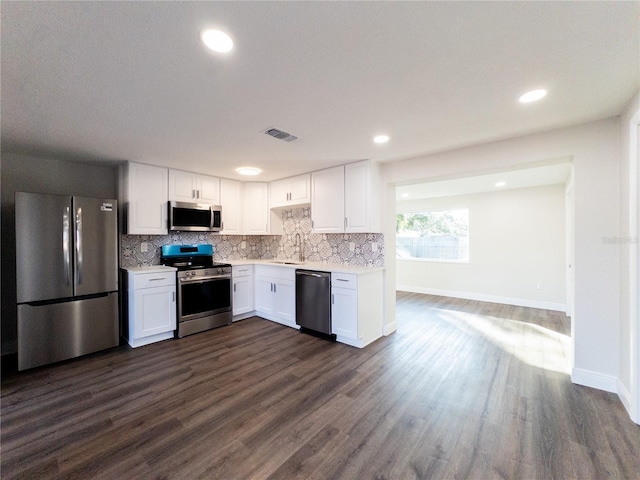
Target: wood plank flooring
462 390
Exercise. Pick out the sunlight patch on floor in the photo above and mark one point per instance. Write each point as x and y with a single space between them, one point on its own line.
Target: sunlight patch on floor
533 344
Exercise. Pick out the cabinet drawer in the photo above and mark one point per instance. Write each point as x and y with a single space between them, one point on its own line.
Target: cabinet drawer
242 271
344 280
149 280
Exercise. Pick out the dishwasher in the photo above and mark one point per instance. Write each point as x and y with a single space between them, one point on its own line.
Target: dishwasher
313 303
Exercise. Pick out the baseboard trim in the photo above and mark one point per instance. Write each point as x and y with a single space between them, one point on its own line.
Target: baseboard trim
389 328
587 378
481 297
9 347
625 396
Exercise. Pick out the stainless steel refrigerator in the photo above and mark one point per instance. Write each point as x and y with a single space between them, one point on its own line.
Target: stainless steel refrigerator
67 277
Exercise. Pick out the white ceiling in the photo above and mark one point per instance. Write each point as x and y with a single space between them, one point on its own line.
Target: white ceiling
556 173
131 81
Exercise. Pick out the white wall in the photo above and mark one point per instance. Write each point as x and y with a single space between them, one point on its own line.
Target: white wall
629 247
594 149
517 240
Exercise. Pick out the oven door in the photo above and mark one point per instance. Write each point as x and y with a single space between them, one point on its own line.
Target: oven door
203 296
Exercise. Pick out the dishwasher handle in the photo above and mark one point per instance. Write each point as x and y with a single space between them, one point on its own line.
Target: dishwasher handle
309 273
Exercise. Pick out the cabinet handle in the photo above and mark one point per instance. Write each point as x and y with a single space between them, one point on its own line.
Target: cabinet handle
193 194
271 285
173 297
156 279
345 222
333 299
275 288
234 287
341 280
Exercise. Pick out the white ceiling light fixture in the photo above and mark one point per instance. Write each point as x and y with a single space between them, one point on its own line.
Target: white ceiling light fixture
216 40
248 171
533 96
405 195
500 184
381 139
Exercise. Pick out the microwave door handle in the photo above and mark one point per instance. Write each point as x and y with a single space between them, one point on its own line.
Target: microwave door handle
213 218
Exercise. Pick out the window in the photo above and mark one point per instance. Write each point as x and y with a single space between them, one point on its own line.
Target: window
433 235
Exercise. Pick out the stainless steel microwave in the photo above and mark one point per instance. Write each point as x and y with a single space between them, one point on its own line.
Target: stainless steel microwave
194 217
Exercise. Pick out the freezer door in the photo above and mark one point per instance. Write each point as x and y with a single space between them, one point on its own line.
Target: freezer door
95 245
43 247
54 332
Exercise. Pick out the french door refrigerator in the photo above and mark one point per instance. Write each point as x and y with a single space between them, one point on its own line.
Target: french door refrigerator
66 275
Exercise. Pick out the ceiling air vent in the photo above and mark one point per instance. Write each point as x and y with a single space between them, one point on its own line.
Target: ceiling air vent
280 135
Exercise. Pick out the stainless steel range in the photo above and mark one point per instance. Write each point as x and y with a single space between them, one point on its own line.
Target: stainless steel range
203 286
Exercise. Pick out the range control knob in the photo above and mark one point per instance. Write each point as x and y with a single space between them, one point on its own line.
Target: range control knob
219 270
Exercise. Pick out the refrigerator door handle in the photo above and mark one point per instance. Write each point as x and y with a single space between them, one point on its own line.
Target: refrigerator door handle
66 253
79 246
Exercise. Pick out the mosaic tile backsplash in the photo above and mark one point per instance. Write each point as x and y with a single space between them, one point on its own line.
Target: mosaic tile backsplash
324 248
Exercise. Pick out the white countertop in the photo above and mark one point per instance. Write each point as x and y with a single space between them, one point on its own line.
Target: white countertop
151 269
322 267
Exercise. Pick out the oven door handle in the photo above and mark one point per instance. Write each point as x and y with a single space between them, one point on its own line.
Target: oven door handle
204 279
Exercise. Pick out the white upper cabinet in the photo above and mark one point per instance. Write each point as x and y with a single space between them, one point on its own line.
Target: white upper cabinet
290 191
327 200
346 199
145 196
231 202
362 201
256 211
192 187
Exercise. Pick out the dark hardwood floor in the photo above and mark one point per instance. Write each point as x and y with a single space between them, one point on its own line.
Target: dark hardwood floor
462 390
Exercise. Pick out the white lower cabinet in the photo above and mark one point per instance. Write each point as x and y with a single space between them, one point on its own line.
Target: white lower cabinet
275 294
242 277
356 308
151 306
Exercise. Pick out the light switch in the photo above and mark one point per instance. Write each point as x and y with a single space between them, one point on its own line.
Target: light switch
144 247
374 246
352 247
243 245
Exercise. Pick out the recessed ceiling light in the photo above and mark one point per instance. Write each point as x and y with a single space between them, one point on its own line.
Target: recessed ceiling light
501 184
248 171
532 96
405 195
381 139
216 40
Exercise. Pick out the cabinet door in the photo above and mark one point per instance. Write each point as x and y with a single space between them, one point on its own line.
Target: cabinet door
147 200
356 197
231 201
242 295
256 208
155 311
279 193
182 186
264 295
208 190
300 189
327 204
344 312
285 303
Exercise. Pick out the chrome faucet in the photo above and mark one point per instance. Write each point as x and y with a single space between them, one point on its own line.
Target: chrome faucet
301 248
